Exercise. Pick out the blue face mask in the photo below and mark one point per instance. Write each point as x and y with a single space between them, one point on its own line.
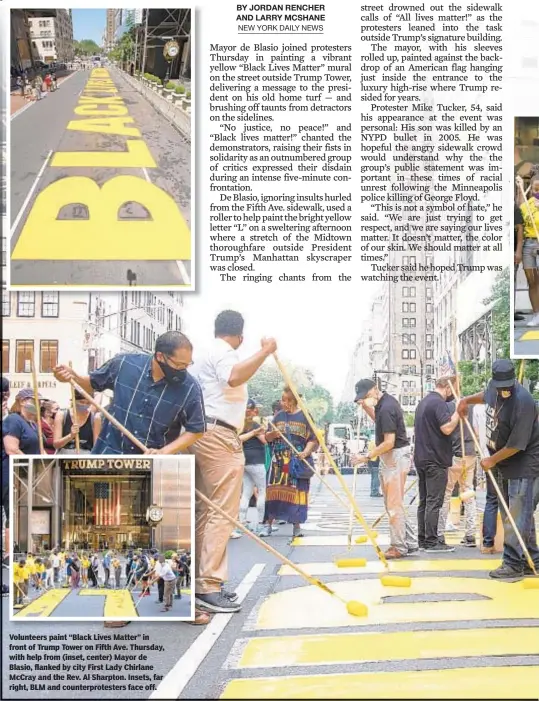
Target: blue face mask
82 407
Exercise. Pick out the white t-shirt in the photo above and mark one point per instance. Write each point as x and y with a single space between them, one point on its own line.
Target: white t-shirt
221 401
166 573
55 561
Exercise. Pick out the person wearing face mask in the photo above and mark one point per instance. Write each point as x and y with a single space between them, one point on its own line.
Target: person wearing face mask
513 444
219 455
155 398
84 423
48 412
433 456
530 248
393 449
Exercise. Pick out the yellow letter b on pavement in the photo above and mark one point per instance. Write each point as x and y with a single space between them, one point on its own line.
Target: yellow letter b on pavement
103 235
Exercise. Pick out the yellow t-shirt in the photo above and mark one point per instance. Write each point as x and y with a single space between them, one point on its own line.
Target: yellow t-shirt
116 563
30 565
85 563
20 574
39 569
530 214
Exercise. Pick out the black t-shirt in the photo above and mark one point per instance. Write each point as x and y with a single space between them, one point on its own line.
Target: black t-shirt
254 451
390 419
431 445
512 423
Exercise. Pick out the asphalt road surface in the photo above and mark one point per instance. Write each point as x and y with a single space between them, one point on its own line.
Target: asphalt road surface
454 633
67 231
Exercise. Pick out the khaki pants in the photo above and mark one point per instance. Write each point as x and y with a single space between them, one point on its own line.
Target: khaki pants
218 475
456 474
168 594
394 469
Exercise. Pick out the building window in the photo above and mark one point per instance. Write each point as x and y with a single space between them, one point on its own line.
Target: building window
405 307
429 354
405 339
412 321
429 338
429 308
50 303
23 357
405 321
429 370
405 260
48 355
429 292
26 304
412 354
412 338
5 356
405 354
6 303
412 260
412 307
412 291
405 291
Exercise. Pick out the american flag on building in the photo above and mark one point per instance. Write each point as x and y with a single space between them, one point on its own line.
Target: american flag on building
107 507
447 366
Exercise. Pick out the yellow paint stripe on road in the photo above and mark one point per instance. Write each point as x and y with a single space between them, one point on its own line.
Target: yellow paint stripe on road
103 236
530 336
45 605
383 539
467 683
310 607
118 602
137 156
376 647
408 565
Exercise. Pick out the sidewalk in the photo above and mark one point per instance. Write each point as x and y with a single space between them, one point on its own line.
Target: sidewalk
17 102
178 118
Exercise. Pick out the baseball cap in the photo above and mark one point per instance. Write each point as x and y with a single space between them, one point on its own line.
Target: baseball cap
251 404
27 393
362 387
503 373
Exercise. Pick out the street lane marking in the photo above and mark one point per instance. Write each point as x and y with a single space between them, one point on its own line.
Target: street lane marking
471 683
181 674
118 602
310 607
44 605
530 336
103 236
409 565
454 537
138 155
352 648
30 193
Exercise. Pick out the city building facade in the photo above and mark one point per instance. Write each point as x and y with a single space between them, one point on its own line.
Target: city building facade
52 36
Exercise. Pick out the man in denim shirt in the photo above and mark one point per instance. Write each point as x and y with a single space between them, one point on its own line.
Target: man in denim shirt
154 398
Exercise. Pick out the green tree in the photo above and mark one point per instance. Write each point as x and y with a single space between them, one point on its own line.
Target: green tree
474 376
86 47
501 322
345 413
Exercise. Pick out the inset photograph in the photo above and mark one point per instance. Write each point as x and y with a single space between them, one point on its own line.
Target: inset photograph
102 538
100 148
526 232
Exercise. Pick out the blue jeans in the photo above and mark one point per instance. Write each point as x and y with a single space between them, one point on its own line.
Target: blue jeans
491 508
375 477
523 500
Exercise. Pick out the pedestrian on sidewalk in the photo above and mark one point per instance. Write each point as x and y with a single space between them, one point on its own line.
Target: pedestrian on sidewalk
513 444
393 450
433 455
219 454
254 476
169 579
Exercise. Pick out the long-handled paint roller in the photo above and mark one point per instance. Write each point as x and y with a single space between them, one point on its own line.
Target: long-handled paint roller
38 407
529 583
358 562
386 579
354 608
381 517
467 494
351 561
74 410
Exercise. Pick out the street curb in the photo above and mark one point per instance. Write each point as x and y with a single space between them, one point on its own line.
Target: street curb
184 132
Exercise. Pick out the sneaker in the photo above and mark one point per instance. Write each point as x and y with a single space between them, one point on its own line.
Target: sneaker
528 572
264 531
440 548
469 541
297 533
534 321
236 534
518 316
230 595
217 603
393 554
506 572
449 527
201 618
488 550
282 523
413 551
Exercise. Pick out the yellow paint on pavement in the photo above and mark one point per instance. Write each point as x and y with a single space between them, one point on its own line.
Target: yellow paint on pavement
530 336
309 607
356 647
138 155
112 125
45 604
118 602
409 565
467 683
103 236
453 537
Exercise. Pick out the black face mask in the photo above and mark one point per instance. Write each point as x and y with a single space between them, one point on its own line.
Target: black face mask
171 374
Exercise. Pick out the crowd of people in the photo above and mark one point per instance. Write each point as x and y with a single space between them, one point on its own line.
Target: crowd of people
140 570
445 453
173 405
38 87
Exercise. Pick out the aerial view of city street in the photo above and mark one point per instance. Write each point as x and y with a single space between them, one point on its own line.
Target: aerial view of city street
100 148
